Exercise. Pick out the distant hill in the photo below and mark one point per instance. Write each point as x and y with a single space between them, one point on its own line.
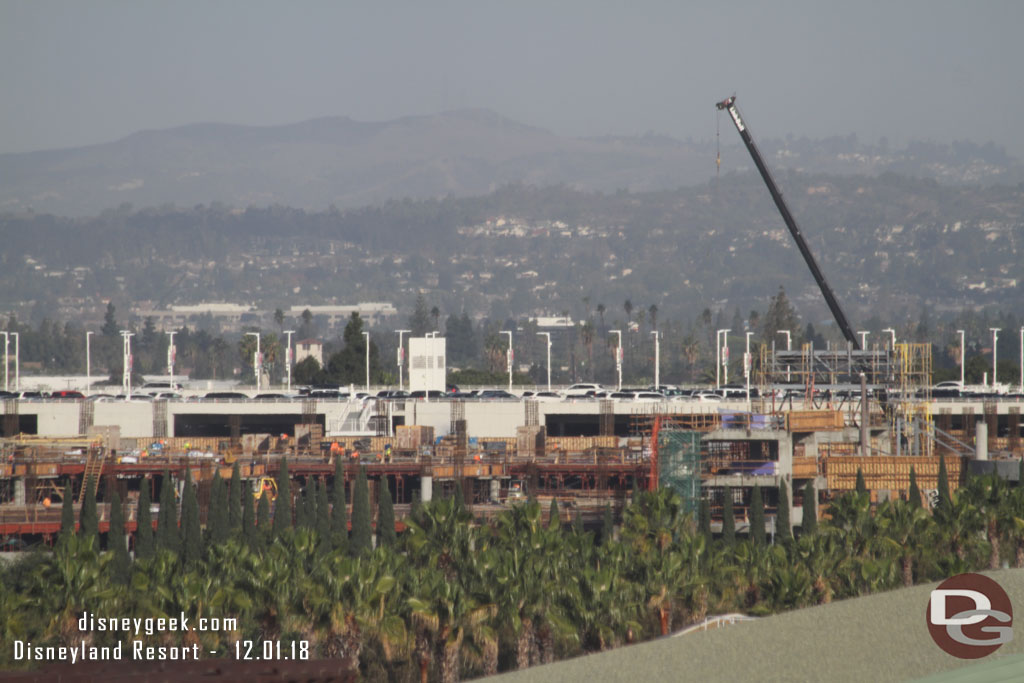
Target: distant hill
337 161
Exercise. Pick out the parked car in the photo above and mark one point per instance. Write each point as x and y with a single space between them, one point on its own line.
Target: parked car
495 395
420 395
67 394
547 396
583 387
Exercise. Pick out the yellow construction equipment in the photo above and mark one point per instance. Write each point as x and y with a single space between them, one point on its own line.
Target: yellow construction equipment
266 485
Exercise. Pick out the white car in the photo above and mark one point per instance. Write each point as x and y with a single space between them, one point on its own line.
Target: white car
649 397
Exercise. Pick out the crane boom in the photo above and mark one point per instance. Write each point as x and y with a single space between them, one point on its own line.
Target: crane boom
729 105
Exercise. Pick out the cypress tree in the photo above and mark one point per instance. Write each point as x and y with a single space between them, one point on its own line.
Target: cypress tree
783 529
323 513
362 531
248 528
416 505
217 512
235 500
311 503
554 519
757 516
607 525
67 515
283 503
302 507
914 495
88 518
385 516
339 513
861 486
705 519
460 496
191 533
167 535
144 524
577 522
120 567
1020 472
263 532
728 518
809 525
945 503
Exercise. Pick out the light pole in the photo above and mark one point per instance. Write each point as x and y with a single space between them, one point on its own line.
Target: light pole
433 354
657 360
718 359
746 367
126 374
88 361
725 356
548 336
366 335
256 358
963 358
892 332
17 361
995 338
618 359
6 341
401 356
892 352
508 358
288 358
171 352
789 347
863 339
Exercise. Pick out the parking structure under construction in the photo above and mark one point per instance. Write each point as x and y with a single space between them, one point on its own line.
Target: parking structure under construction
812 415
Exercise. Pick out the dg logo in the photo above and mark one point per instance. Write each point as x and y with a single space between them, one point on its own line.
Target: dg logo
970 616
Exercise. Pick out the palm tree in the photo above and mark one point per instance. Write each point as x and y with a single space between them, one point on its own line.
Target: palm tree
990 495
441 612
587 335
908 529
73 580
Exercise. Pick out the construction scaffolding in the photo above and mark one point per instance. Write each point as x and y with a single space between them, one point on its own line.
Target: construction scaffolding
678 453
810 367
913 426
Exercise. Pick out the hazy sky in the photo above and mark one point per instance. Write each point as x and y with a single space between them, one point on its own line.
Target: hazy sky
76 73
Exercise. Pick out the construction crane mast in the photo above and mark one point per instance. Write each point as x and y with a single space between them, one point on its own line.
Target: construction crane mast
729 105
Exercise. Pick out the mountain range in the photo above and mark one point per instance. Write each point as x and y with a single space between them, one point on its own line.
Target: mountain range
340 162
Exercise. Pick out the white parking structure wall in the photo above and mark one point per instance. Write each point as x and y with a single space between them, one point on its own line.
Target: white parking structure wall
427 366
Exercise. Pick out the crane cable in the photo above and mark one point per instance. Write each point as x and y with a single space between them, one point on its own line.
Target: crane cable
718 149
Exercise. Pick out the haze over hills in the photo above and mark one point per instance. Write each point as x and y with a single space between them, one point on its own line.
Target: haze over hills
345 163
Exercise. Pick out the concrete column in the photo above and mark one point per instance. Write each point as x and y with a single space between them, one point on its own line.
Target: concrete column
426 488
865 405
981 440
19 491
495 490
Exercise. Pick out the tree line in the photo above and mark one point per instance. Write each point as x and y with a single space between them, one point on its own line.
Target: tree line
452 597
581 351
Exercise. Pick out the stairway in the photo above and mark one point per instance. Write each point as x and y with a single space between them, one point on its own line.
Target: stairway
93 468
